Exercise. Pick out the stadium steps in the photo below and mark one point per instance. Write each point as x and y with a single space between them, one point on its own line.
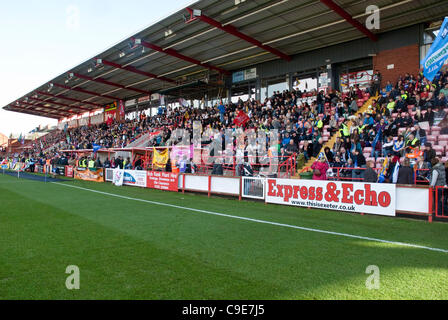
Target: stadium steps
141 142
330 143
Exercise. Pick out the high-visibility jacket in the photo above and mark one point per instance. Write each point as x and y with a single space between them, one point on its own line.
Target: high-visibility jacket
91 164
82 163
391 106
345 131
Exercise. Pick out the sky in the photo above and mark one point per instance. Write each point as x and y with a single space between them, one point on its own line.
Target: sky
43 39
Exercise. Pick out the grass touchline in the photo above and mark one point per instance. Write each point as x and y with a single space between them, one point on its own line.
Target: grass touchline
262 221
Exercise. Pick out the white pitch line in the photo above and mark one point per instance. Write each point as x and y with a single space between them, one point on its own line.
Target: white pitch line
403 244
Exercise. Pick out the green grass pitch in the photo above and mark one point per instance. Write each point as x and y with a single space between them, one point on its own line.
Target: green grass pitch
126 249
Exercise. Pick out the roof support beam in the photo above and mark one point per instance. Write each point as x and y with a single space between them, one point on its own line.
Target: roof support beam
34 113
68 99
174 53
235 32
59 111
344 14
112 84
135 70
61 104
84 91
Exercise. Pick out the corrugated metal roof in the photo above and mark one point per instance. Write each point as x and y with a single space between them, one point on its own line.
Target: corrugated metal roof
291 26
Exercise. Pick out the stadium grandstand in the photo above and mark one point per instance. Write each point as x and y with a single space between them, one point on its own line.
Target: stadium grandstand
338 84
312 104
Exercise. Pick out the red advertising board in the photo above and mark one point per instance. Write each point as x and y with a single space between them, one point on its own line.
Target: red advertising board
69 171
163 181
374 198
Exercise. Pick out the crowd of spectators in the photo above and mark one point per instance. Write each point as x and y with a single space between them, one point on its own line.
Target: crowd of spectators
394 126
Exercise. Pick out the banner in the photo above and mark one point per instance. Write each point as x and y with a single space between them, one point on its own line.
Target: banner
178 152
121 110
4 165
89 175
167 181
357 197
69 171
241 119
437 54
118 177
60 170
160 159
136 178
110 112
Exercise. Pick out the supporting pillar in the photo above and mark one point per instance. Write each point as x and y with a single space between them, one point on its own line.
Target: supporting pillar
258 90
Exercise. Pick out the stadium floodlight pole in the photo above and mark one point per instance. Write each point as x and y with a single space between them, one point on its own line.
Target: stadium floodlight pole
344 14
176 54
112 84
134 70
197 15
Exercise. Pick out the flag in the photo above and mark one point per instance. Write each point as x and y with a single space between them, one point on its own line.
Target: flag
382 173
437 54
395 174
160 159
96 147
183 102
241 119
121 109
4 164
375 142
118 178
180 151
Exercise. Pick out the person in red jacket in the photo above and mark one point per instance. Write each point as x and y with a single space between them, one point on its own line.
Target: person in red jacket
320 168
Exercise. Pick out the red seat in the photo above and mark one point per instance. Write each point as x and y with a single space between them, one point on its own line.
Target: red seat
435 130
443 137
439 150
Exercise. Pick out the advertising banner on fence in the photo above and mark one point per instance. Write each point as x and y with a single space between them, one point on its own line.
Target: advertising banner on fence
69 171
167 181
118 177
136 178
375 198
89 175
160 159
59 170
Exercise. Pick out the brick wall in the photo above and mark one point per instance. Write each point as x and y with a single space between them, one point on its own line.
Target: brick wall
404 59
